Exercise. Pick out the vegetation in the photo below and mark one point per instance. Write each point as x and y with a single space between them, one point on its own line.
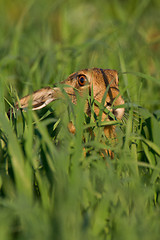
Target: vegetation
55 185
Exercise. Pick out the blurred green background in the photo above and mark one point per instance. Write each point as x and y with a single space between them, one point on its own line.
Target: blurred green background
49 191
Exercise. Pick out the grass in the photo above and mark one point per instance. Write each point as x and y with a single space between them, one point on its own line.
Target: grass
50 189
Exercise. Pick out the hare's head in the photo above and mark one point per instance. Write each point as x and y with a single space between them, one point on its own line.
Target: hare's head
94 80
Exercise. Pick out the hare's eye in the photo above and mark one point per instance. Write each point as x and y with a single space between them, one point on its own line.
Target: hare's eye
82 80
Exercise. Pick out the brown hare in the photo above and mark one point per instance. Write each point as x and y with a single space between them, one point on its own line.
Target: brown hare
95 80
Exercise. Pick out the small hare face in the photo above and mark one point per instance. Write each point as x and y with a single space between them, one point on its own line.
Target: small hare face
98 80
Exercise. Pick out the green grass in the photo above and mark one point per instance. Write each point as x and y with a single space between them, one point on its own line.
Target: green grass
48 188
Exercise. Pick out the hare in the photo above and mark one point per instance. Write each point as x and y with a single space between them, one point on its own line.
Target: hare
87 80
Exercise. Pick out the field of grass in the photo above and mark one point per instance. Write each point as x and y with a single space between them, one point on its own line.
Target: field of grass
50 189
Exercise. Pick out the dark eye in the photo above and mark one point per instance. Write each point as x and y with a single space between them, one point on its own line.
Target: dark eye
82 80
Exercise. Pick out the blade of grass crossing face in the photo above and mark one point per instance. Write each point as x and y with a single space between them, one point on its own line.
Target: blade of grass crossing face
103 102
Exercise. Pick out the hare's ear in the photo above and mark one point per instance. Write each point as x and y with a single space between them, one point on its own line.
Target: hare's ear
39 99
112 77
